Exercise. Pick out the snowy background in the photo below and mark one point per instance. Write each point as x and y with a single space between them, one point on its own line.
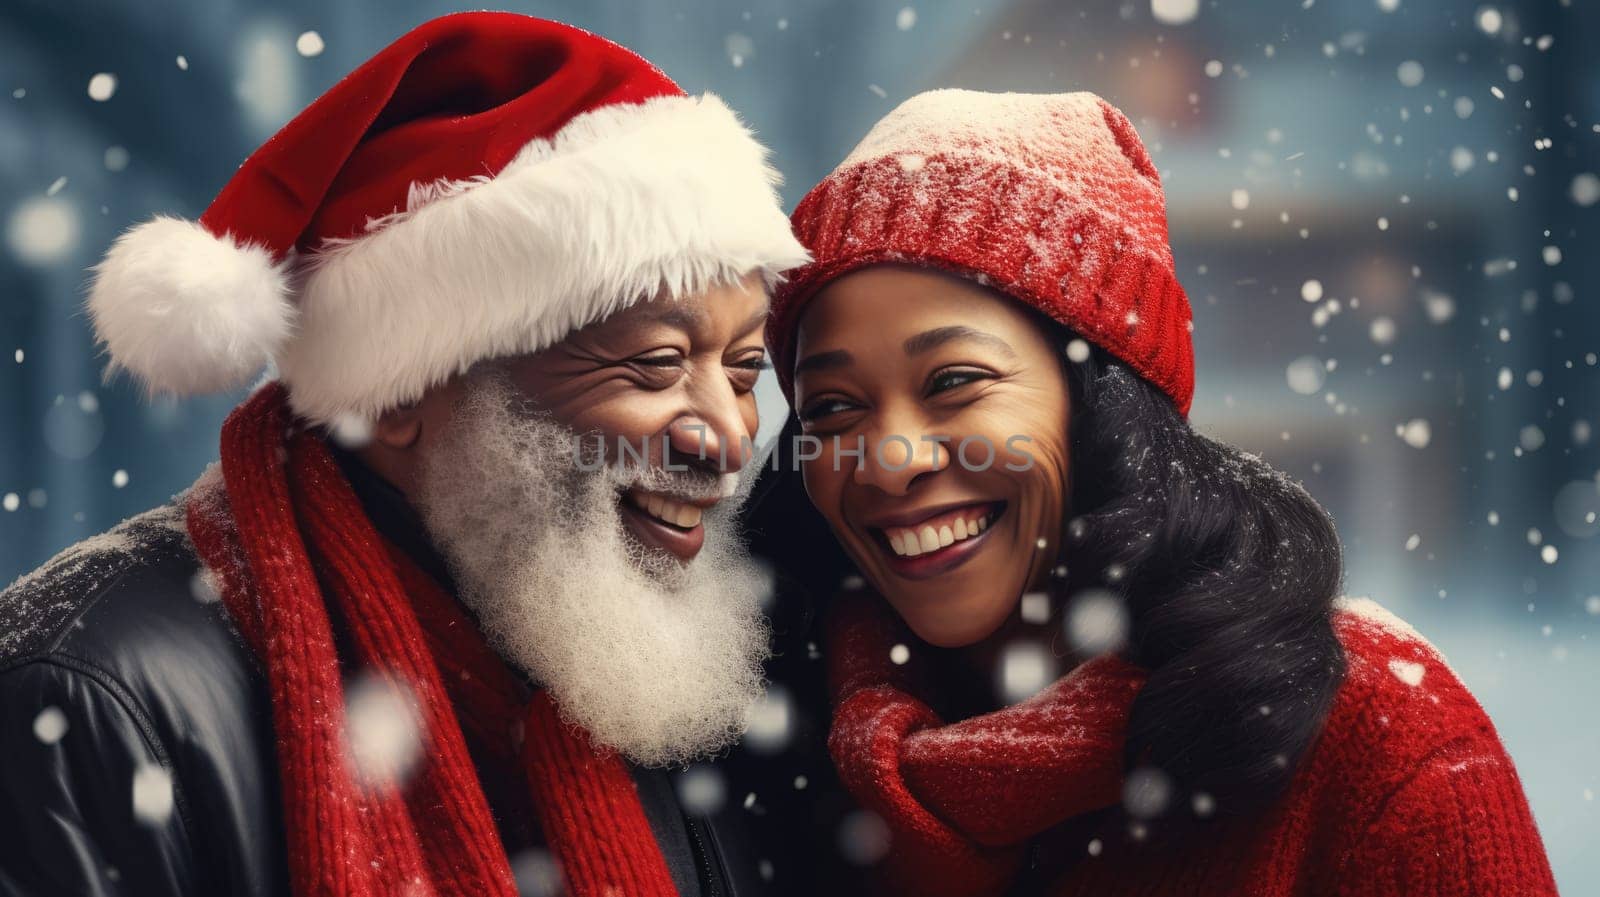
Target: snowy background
1385 212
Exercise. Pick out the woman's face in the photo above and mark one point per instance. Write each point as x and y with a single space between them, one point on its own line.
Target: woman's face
960 402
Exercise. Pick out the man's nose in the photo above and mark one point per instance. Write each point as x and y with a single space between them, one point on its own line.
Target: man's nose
712 430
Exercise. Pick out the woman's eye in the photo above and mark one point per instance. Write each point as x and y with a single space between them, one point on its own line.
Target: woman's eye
821 408
945 380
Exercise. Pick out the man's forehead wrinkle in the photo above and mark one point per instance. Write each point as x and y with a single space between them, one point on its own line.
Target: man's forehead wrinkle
674 312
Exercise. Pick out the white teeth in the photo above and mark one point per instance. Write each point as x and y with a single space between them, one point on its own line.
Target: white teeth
666 510
688 516
910 542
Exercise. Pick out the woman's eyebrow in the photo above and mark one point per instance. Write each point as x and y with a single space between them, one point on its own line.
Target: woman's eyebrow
822 361
938 336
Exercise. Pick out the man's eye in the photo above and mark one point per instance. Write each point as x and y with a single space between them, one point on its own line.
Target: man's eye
661 360
943 381
744 373
757 363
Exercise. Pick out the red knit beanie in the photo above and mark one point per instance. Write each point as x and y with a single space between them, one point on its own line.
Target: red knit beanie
1050 198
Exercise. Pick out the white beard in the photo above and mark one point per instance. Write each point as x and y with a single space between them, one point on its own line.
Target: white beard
654 658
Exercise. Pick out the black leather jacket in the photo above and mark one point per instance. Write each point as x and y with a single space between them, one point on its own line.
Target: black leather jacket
120 641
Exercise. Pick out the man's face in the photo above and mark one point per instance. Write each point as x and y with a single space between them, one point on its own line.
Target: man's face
623 589
673 380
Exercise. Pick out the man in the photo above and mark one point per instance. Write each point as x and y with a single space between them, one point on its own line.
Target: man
409 637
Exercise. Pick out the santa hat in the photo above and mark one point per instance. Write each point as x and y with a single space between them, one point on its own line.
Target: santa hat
1050 198
482 187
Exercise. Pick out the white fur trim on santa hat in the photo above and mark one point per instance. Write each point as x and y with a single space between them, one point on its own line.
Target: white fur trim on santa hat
185 311
665 198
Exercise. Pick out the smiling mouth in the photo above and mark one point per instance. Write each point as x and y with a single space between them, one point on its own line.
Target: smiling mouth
661 521
939 542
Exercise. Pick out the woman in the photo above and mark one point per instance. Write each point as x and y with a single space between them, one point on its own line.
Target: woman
991 353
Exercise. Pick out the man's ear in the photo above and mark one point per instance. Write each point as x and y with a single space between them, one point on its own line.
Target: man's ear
399 429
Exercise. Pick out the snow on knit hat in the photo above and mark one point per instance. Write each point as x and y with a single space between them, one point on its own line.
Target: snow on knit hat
482 187
1050 198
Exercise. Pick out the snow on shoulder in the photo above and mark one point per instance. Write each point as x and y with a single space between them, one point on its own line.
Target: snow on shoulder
1390 665
39 603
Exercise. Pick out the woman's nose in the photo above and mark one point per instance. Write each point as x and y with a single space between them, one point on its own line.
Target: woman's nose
894 459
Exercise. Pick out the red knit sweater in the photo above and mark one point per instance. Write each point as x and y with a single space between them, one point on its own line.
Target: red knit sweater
1407 791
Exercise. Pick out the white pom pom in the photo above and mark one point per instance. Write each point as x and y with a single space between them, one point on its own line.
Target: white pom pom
185 311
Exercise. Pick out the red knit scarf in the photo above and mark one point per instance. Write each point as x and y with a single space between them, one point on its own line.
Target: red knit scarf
961 800
286 516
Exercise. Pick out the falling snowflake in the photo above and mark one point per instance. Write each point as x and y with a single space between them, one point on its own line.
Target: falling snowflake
309 44
1174 12
102 87
537 873
50 725
1585 189
702 790
1096 622
1035 607
768 721
351 431
740 48
1025 669
1416 433
385 734
863 838
43 230
1146 792
1306 375
152 795
1488 19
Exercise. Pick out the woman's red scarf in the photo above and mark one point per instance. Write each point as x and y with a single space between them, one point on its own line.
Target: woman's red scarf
962 800
292 548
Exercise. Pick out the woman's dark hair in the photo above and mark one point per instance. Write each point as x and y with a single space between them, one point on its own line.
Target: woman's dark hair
1227 569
